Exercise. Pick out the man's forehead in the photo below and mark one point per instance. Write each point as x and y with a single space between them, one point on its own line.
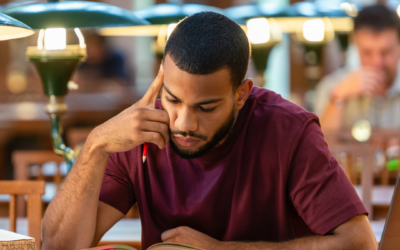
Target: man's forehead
371 34
197 88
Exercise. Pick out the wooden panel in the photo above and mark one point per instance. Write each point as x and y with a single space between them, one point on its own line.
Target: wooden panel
13 213
22 187
366 152
367 181
21 160
34 189
35 218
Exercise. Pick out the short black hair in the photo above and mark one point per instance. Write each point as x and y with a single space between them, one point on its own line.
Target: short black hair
377 17
207 42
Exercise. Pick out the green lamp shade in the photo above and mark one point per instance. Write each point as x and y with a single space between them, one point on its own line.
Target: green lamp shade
320 8
55 73
11 28
334 9
243 13
73 14
303 9
172 13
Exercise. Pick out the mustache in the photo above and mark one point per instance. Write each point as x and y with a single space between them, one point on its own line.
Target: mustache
188 133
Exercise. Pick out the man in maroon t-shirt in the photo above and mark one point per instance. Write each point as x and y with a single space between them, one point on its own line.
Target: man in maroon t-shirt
228 166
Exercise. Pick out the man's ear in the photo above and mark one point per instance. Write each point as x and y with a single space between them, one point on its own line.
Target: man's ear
243 92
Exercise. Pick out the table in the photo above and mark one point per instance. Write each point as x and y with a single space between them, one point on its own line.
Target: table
126 230
129 230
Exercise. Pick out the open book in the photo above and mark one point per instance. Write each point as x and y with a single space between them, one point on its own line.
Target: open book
171 246
19 241
159 246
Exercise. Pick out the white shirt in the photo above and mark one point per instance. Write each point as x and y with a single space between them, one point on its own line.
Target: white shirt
381 112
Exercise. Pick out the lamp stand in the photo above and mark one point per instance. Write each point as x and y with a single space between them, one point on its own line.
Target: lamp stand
55 72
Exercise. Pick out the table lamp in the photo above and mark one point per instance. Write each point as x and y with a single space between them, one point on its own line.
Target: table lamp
12 29
56 60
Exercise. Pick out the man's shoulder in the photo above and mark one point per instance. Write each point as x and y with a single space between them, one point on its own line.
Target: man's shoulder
272 107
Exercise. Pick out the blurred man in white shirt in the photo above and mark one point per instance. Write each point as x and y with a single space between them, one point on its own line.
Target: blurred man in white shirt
373 91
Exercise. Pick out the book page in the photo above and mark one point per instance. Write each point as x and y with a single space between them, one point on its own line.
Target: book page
10 236
172 246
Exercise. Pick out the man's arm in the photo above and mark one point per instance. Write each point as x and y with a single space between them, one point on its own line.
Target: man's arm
366 81
331 119
70 220
354 234
75 218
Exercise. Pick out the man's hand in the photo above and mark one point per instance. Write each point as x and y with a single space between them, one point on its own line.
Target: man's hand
365 81
137 124
190 237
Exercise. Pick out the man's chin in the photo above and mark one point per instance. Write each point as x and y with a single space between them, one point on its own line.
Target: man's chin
188 152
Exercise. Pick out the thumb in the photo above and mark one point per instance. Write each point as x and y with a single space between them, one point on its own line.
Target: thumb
149 99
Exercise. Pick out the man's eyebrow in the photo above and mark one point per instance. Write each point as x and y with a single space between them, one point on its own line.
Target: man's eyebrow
169 92
196 104
209 101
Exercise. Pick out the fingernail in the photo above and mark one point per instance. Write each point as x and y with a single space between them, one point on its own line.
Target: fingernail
161 67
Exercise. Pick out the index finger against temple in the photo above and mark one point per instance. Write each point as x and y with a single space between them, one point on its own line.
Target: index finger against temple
152 93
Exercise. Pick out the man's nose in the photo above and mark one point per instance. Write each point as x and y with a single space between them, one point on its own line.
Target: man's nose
378 61
186 121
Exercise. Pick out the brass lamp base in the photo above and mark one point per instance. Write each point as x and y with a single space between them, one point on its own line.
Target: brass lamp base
55 69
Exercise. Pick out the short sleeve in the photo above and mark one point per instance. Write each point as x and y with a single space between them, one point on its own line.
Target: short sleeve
318 187
117 188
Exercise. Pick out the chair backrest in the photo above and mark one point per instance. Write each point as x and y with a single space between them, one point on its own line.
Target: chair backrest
34 190
382 140
365 153
22 159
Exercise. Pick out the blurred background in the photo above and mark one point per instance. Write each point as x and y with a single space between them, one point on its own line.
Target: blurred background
301 50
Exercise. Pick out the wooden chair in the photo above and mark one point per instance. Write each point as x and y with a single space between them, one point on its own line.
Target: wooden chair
359 162
379 139
23 159
34 190
346 154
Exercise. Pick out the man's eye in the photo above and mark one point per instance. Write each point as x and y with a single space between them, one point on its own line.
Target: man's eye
206 110
170 100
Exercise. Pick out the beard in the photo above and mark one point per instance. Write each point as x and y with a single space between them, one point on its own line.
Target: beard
220 135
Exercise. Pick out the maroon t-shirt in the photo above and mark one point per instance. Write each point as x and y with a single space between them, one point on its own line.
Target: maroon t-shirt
272 179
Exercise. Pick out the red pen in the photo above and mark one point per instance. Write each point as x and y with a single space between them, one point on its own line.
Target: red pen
144 155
